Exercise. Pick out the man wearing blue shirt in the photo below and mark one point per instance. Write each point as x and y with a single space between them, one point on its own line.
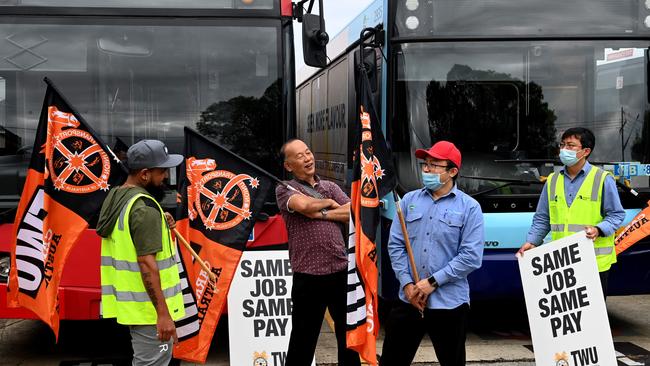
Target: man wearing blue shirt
595 208
445 228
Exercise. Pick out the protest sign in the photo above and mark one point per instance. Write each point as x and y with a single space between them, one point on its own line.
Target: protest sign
566 308
259 309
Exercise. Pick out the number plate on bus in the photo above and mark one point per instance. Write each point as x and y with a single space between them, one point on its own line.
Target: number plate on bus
628 170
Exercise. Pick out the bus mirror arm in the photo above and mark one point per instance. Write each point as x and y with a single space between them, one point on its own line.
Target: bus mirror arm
299 10
377 33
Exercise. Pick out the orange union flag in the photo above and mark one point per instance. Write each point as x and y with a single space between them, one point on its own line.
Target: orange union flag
636 230
69 175
373 178
221 195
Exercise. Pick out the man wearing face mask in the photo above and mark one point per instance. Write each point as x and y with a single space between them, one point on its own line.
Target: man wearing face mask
579 197
445 228
140 283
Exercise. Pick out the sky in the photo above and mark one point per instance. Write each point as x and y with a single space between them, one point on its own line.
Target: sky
338 13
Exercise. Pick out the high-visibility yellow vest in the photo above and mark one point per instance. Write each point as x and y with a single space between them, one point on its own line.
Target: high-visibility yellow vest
123 293
584 210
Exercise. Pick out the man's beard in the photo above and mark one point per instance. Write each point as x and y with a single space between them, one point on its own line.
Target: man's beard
157 192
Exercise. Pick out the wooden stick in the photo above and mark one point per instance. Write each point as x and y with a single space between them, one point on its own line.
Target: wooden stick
180 237
407 242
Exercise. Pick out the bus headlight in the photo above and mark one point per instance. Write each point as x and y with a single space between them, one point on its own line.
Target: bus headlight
412 5
647 4
647 21
5 264
413 22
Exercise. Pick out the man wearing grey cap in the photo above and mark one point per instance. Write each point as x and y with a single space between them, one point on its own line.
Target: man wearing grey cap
139 275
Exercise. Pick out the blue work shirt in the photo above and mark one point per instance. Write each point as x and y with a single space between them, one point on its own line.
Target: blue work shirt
447 240
612 209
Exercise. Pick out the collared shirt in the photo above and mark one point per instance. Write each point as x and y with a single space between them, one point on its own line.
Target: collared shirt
612 209
316 247
446 235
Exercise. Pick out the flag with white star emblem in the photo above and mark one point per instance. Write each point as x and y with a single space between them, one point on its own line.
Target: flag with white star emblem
221 195
69 175
373 179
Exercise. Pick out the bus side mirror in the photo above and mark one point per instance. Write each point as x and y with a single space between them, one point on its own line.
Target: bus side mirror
314 40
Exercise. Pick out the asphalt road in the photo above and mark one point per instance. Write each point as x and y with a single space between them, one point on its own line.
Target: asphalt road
499 335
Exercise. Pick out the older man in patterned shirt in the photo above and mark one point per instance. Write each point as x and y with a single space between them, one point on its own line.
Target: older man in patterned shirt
314 210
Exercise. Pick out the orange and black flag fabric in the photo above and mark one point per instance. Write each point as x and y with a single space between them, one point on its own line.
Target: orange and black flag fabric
373 178
636 230
69 175
221 195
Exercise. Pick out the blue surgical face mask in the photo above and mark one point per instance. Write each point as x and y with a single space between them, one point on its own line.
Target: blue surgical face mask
432 181
569 157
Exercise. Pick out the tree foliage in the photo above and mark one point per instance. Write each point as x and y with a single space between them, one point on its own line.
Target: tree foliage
248 126
480 110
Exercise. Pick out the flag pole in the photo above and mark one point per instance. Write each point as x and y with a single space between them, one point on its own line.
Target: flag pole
180 237
407 242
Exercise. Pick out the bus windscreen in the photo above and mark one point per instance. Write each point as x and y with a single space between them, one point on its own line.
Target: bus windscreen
135 81
506 105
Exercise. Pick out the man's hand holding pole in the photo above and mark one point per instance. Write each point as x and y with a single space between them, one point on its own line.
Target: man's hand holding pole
412 292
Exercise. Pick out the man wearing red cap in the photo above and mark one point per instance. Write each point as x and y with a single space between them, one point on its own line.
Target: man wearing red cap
445 228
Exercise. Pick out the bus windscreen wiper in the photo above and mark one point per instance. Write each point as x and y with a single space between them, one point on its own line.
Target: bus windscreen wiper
619 182
507 182
554 161
499 179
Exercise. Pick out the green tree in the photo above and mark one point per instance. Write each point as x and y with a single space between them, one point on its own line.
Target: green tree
248 126
480 110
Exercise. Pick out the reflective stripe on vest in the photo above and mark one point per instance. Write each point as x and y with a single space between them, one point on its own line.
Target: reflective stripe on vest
574 228
138 296
596 187
604 250
553 185
123 265
124 295
599 176
585 210
120 220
